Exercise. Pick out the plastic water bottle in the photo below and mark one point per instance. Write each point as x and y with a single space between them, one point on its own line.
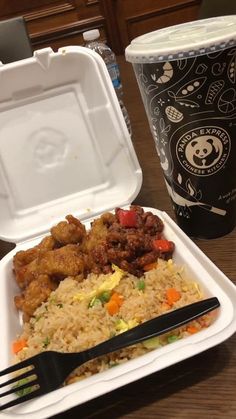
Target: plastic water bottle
93 41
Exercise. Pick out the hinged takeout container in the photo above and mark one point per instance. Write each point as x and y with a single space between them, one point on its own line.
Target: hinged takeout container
64 144
64 148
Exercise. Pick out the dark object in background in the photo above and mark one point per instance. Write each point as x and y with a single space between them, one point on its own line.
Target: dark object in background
212 8
14 40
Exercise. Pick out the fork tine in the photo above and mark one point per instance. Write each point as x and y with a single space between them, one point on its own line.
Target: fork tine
17 378
14 402
19 366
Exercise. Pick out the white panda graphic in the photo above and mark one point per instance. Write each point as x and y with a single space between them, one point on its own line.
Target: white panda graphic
204 151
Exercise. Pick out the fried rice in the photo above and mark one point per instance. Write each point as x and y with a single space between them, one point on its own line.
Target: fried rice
76 317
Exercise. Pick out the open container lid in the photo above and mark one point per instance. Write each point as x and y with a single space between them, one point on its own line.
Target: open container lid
189 39
64 145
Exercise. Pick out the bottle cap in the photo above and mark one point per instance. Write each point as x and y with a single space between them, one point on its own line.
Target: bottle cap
91 35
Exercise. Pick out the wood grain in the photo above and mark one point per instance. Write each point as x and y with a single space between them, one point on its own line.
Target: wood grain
57 23
130 18
203 386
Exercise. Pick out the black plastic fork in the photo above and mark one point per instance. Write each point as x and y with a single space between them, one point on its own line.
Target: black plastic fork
49 369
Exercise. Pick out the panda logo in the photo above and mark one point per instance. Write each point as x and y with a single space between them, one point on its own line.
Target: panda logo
204 151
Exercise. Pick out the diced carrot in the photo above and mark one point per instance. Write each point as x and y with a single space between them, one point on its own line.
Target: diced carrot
118 298
172 295
150 266
112 307
192 329
18 345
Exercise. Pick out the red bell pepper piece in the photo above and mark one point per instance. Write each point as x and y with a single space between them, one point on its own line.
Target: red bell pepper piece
162 245
127 218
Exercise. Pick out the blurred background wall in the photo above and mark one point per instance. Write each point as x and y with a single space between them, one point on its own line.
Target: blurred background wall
58 23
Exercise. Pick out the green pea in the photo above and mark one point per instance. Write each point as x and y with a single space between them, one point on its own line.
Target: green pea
141 285
105 296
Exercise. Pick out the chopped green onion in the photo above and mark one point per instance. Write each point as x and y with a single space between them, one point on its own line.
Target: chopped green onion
141 285
152 343
172 338
52 300
60 305
93 302
113 364
23 391
37 318
121 325
46 342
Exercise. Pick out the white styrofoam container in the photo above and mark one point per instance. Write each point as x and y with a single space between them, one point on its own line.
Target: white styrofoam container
63 142
52 108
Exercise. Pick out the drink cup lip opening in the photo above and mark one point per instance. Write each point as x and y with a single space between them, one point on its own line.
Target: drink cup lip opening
185 40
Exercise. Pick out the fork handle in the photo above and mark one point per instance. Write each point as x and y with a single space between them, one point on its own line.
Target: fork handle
154 327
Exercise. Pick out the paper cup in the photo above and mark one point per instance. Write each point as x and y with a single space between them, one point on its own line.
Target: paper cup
187 78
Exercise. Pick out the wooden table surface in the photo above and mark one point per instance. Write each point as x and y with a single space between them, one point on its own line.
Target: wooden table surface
203 386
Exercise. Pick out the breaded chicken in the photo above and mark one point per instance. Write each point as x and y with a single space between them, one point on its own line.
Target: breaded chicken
35 294
60 263
68 232
24 264
98 232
